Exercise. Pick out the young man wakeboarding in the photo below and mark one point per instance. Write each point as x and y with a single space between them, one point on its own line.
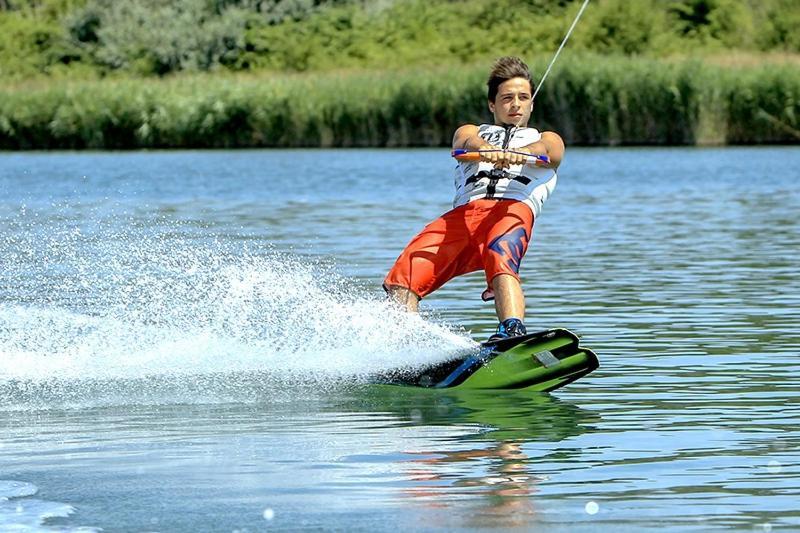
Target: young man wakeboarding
497 200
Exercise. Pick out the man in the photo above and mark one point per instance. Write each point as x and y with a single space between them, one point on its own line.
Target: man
497 200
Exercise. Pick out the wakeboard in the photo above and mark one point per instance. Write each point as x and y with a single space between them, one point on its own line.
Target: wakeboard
539 362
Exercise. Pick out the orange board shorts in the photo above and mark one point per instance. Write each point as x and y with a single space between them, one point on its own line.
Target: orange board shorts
486 234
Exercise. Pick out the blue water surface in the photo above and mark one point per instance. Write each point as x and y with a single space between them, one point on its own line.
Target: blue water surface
186 337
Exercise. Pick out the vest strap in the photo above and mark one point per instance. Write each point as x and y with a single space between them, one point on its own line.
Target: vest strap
496 175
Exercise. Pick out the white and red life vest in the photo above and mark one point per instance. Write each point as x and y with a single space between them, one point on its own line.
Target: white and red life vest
526 183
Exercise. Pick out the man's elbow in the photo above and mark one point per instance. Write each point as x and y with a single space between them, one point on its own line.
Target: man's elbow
555 148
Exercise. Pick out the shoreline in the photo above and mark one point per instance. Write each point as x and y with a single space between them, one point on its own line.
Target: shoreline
590 102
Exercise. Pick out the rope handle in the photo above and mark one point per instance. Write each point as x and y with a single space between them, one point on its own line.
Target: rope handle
475 155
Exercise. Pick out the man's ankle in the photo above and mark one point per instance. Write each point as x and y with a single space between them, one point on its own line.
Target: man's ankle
510 327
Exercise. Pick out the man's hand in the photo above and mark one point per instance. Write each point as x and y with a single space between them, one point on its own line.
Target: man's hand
551 145
503 158
518 158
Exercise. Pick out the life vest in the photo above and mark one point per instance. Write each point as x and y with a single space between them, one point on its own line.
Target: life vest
526 183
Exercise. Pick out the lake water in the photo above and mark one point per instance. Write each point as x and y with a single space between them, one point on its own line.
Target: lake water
186 337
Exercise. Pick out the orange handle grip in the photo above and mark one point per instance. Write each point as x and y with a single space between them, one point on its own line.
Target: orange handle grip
463 155
472 155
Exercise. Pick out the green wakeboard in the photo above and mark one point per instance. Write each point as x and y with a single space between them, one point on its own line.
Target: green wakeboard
542 362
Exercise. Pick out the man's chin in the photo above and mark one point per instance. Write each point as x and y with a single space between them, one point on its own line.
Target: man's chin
516 121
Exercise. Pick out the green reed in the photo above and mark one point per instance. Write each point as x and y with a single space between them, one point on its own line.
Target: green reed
589 100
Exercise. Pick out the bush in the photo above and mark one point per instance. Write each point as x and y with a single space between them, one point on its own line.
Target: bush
27 46
151 37
154 38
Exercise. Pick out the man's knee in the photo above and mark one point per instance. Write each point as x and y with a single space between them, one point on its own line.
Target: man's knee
402 296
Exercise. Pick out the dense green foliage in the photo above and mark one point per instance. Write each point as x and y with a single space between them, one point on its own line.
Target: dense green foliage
590 101
151 37
111 74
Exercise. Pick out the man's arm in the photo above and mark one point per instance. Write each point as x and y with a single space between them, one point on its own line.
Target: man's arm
467 138
550 145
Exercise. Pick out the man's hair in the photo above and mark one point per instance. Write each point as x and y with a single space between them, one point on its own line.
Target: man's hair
504 69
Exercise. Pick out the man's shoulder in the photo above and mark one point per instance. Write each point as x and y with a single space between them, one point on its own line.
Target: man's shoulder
467 128
552 136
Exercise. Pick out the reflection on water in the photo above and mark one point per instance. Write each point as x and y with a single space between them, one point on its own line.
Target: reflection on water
506 487
457 460
148 283
489 467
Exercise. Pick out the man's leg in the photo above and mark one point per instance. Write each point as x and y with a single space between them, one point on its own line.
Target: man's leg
506 244
509 301
435 255
404 297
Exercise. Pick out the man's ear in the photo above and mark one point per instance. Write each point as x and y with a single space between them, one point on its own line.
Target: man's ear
491 106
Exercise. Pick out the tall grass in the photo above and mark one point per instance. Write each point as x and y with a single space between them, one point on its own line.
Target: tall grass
590 101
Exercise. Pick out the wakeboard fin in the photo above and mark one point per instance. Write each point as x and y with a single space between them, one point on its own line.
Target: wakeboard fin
542 361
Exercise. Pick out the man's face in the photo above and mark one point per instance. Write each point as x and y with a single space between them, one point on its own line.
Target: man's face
513 103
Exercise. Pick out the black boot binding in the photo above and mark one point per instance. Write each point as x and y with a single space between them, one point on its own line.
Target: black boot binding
510 327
